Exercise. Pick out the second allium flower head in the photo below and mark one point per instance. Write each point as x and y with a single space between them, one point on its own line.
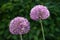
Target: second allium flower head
39 12
19 25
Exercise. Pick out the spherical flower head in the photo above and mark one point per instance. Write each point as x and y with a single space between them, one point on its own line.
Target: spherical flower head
39 12
19 25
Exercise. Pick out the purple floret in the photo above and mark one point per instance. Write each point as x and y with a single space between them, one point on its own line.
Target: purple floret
39 12
19 25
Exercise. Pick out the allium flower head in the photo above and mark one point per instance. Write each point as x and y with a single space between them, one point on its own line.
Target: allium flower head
39 12
19 25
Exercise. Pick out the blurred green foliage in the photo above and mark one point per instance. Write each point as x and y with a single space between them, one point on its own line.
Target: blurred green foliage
10 9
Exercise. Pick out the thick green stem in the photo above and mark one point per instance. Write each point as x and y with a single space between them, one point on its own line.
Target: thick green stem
42 29
21 37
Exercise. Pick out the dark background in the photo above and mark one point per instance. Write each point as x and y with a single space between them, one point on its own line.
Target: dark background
10 9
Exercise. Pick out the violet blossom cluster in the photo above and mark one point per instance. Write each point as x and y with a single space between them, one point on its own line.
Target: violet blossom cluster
19 25
39 12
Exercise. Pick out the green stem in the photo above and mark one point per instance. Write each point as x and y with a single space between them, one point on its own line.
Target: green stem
42 29
21 37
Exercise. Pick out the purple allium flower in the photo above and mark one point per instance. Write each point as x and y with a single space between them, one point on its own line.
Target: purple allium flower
19 25
39 12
